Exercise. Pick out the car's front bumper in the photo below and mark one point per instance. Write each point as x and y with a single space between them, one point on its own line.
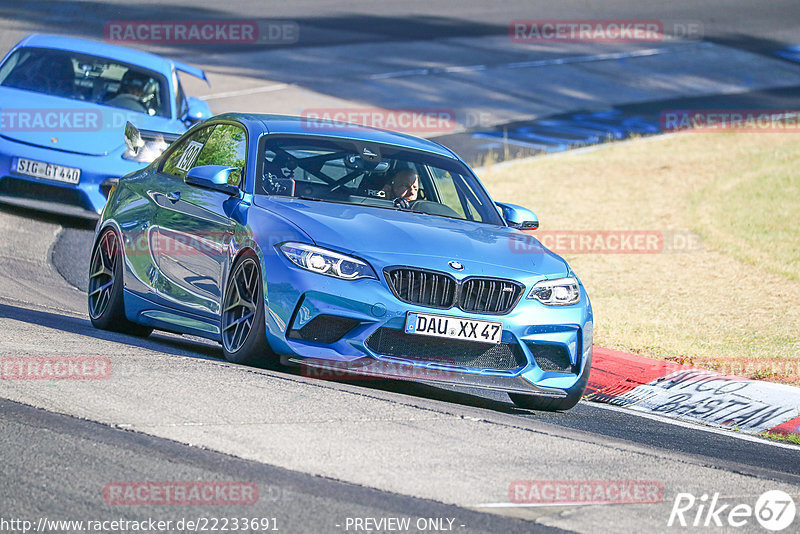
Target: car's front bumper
84 199
295 298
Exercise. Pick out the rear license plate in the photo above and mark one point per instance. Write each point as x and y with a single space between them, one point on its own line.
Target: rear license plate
429 324
48 171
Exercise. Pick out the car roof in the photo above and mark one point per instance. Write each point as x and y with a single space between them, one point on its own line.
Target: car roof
291 125
95 48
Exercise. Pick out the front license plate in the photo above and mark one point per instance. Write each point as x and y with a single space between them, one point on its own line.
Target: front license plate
48 171
429 324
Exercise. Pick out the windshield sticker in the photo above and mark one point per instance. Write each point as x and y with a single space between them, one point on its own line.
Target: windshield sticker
189 155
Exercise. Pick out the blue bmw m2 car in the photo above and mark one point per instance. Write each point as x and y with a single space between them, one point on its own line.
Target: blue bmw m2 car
334 246
64 102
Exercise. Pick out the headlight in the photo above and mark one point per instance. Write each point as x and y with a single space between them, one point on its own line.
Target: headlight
146 153
557 292
328 262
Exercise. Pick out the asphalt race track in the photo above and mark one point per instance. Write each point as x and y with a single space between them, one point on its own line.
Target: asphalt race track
325 452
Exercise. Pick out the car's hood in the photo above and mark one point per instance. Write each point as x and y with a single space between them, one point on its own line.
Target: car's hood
393 237
70 125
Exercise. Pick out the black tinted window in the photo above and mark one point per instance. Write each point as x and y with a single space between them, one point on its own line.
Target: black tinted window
88 78
378 176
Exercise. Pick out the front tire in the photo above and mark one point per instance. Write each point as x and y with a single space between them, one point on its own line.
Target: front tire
544 404
106 302
244 334
550 404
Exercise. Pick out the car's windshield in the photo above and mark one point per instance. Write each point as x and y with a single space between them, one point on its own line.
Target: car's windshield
87 78
374 175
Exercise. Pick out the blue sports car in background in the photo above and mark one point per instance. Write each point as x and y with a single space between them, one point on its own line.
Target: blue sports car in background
340 247
64 103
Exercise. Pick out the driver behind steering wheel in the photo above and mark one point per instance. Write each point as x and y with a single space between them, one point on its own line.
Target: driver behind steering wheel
404 188
131 94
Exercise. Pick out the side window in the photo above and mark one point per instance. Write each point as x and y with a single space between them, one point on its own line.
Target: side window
184 156
448 195
227 146
456 193
473 202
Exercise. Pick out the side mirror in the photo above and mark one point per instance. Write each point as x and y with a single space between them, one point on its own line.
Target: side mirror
196 111
133 139
145 146
213 177
518 217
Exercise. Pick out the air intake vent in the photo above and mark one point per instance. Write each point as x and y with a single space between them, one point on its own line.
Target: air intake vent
425 288
396 343
36 191
324 329
551 358
489 295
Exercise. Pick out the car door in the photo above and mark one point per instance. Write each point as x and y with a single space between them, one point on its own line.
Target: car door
196 225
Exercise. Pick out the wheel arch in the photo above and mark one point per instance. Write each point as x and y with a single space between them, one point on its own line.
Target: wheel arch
235 256
101 229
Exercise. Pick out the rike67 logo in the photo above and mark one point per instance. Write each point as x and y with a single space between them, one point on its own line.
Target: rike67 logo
774 510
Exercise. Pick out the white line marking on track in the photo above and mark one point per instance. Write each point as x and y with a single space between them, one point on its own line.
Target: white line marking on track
695 426
738 497
534 63
539 505
400 73
465 68
243 92
587 59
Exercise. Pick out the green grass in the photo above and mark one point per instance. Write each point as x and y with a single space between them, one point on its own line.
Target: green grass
734 300
788 438
753 213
